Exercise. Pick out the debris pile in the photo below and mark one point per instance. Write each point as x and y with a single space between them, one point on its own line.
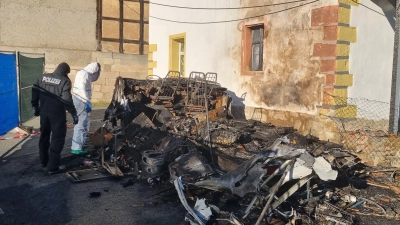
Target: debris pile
180 131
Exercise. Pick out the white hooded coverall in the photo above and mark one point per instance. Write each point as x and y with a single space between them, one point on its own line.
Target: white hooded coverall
82 93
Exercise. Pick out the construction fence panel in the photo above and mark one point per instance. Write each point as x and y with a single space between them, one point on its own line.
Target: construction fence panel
8 93
30 66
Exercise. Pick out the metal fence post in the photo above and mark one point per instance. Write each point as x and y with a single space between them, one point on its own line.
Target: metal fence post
395 89
18 86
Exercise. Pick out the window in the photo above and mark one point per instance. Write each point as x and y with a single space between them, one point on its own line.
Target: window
257 34
177 49
182 57
253 44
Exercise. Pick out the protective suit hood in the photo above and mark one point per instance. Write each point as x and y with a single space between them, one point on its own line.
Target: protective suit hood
94 71
83 81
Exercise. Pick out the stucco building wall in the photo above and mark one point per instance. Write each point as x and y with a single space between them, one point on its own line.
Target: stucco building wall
371 56
289 87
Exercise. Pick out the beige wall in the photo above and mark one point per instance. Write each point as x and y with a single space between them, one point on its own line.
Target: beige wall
67 24
65 31
114 65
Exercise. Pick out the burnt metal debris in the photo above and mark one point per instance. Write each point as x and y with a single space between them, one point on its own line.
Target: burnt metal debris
180 131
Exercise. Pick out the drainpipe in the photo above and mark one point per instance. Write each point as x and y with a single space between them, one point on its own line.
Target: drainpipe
395 90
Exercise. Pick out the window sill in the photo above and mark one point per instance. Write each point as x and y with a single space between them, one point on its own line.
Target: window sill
252 73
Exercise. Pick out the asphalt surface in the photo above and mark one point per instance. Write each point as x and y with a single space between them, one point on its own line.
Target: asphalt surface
28 195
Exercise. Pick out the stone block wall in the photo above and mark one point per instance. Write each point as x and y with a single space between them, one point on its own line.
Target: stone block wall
320 126
374 148
112 66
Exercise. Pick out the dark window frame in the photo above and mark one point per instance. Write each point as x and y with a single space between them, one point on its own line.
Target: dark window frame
257 48
247 46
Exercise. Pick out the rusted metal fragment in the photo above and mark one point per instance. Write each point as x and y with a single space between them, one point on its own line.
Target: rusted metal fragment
113 169
164 143
100 136
216 114
213 115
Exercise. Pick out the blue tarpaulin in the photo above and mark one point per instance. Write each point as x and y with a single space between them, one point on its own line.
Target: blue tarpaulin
8 93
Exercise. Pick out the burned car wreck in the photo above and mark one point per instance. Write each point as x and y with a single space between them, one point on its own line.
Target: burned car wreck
179 132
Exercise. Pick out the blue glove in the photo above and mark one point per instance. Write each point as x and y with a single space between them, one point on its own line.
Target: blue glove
88 107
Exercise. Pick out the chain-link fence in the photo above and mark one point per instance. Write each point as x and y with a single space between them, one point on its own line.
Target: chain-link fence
364 128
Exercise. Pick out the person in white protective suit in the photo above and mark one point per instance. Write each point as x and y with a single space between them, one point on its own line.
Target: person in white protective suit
82 93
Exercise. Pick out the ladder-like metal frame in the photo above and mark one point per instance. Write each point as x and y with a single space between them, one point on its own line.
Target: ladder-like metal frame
169 86
196 96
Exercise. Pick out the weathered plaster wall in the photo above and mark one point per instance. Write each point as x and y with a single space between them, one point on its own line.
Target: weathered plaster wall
290 77
290 87
69 24
371 57
65 31
62 30
290 80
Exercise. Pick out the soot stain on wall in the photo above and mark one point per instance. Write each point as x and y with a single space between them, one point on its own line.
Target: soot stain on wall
290 74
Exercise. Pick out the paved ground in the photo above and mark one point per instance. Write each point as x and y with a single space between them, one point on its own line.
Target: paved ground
28 195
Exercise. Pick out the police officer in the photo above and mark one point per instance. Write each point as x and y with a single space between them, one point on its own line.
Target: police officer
51 96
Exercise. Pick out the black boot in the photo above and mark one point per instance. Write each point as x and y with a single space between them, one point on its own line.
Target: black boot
60 169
